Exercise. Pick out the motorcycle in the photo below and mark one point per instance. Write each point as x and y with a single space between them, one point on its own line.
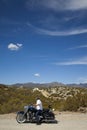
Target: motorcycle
29 115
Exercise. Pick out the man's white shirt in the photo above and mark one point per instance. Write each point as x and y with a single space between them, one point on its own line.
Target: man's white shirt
39 105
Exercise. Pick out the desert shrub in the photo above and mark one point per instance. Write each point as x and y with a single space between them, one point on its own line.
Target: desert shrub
71 104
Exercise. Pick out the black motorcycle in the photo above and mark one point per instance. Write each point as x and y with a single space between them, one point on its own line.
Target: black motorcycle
29 115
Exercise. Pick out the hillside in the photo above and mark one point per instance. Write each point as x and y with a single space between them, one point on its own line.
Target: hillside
13 98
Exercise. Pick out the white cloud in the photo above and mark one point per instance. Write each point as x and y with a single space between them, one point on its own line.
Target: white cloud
19 45
37 75
14 47
81 61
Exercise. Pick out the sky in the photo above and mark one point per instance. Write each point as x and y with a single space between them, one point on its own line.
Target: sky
43 41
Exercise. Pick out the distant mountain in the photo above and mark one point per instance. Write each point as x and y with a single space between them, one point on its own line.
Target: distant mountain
52 84
78 85
30 85
83 85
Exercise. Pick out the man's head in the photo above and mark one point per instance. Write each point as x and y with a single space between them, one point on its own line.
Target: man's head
37 98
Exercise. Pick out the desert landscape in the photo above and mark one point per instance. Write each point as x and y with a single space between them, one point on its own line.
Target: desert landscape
43 55
69 104
65 121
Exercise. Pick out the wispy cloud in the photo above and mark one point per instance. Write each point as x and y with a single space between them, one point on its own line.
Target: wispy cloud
77 4
62 33
57 4
81 61
68 4
14 47
78 47
82 80
37 75
58 33
59 17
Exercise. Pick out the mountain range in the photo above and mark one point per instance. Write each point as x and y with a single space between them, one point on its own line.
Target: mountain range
51 84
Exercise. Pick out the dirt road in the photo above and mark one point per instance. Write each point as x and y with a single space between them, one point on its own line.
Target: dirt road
66 121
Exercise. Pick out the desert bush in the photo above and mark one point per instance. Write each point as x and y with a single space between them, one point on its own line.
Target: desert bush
71 104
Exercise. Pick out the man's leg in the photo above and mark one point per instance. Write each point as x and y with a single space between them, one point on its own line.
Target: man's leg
38 116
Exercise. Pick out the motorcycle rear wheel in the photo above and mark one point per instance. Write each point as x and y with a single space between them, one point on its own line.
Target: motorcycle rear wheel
20 118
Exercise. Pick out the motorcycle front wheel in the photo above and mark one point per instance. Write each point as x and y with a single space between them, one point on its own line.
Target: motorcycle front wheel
20 118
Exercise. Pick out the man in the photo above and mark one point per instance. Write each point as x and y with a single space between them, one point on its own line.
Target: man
39 108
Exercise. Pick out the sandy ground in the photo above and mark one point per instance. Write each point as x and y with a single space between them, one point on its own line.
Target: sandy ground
66 121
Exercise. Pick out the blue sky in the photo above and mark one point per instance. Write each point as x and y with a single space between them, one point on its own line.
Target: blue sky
43 41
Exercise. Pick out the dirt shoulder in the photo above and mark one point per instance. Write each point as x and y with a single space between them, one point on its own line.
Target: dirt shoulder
66 121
